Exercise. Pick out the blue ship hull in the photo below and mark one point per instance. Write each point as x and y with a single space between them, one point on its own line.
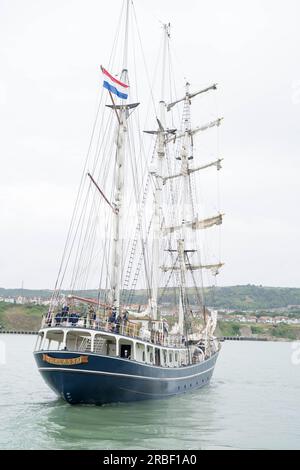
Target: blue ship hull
105 379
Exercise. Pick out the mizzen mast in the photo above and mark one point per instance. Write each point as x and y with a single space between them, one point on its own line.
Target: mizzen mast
189 221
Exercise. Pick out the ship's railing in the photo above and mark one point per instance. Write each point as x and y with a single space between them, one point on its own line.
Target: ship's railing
129 329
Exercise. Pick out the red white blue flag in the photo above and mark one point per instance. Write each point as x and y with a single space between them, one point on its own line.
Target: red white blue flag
114 86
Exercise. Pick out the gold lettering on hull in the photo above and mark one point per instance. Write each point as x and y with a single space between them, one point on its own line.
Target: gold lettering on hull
65 362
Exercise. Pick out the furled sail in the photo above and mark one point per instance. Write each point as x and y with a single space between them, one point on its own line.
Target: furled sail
216 163
191 267
192 95
196 224
194 131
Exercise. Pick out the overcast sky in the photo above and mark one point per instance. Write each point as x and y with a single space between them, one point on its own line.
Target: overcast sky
50 51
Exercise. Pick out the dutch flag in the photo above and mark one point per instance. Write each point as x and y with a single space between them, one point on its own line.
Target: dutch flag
114 86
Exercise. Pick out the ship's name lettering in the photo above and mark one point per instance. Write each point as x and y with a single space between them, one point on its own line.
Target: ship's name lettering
65 362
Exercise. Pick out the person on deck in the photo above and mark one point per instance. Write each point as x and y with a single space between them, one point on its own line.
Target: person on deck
74 317
112 319
65 310
124 320
58 318
91 316
117 325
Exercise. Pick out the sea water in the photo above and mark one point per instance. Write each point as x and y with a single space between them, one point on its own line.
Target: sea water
252 402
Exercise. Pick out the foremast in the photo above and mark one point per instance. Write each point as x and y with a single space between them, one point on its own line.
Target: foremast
118 211
122 115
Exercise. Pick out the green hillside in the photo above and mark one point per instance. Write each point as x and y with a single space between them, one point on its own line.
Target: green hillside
28 318
271 332
236 297
21 317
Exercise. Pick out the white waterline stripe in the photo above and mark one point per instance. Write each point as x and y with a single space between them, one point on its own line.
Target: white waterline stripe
57 369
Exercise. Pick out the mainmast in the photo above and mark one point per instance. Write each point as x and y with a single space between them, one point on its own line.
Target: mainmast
158 182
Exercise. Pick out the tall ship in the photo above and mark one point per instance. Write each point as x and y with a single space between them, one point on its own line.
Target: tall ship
140 235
